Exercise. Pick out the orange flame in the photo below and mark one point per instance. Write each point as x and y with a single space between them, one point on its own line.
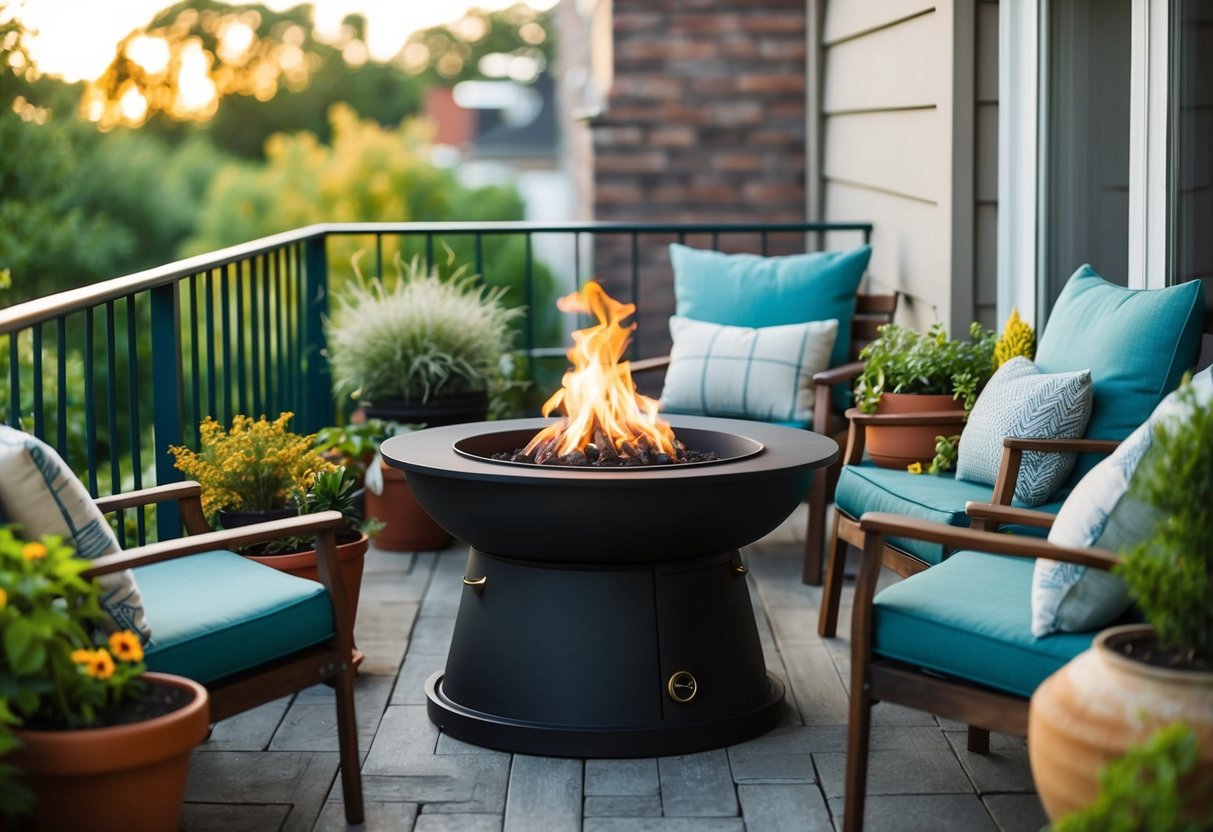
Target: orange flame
599 398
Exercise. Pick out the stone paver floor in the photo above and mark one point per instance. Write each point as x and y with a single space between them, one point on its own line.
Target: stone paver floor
275 767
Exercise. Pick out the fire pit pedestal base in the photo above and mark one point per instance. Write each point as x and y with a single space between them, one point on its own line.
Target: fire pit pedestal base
605 660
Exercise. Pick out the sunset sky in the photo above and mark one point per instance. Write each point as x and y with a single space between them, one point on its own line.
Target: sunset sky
76 38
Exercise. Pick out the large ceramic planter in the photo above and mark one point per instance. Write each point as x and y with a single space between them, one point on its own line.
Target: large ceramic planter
118 778
406 525
897 446
1091 710
351 557
434 412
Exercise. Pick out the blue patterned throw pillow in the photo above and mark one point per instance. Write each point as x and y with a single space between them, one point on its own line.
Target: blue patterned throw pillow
763 373
1021 401
42 494
1101 512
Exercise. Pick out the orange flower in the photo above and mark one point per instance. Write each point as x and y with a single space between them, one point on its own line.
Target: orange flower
100 664
33 551
125 646
82 656
3 599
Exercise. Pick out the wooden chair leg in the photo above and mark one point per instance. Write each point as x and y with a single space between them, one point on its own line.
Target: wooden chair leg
814 531
347 738
831 594
979 740
859 726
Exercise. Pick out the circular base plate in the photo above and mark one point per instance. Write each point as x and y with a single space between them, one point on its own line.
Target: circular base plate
654 740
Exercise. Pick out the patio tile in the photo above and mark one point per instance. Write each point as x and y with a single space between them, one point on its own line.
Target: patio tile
220 817
385 620
380 817
783 808
1002 770
779 756
1017 812
431 634
491 775
460 784
823 738
449 745
297 779
898 772
410 685
635 777
544 793
697 785
250 731
446 583
383 656
458 823
663 825
922 813
311 722
819 692
623 806
405 734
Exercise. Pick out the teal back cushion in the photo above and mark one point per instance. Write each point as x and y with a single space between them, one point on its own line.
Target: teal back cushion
754 291
1137 343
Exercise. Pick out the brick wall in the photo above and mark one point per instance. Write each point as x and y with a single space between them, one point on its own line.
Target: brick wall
705 121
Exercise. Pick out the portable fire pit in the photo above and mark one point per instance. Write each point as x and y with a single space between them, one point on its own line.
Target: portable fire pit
605 611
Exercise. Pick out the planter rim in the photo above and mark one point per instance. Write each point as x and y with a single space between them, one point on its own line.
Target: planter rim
345 551
1104 647
56 741
953 403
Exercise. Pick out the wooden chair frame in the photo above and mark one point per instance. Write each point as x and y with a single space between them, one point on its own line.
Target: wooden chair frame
876 679
848 530
330 662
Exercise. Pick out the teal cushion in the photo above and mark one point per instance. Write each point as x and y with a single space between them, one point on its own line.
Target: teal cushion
970 617
218 614
754 291
1137 343
866 487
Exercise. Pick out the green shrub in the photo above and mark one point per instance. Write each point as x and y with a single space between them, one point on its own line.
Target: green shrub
901 360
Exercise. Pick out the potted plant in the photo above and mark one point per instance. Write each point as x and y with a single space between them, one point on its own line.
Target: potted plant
89 740
908 372
419 349
1138 677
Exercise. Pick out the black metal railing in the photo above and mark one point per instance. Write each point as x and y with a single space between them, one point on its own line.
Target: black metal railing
114 373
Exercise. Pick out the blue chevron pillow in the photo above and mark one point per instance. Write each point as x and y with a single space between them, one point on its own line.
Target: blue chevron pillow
1020 400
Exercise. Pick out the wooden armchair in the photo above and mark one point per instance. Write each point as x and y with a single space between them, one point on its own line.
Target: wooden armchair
973 595
212 580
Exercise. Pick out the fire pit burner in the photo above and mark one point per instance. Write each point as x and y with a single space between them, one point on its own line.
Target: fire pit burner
605 612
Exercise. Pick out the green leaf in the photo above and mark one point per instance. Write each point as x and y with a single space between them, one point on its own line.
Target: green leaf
24 650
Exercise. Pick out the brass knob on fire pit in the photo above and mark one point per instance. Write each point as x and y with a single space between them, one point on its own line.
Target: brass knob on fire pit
477 584
740 568
682 686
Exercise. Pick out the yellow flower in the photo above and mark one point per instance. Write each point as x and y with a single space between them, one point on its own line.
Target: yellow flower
125 645
914 467
33 551
82 656
100 664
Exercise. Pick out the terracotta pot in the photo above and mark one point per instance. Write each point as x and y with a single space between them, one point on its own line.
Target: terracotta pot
118 778
350 556
898 446
1091 710
407 528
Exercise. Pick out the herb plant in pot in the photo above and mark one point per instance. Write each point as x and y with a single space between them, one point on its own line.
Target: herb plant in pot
908 372
1137 678
87 739
417 350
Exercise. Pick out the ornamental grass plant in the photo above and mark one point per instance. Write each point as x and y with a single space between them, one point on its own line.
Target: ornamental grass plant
56 669
258 465
418 336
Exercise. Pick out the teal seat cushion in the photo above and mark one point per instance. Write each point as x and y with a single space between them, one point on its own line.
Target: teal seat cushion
1137 343
754 291
218 614
970 618
867 487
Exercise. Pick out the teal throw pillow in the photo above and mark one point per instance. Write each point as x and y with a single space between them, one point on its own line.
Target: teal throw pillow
1021 401
1101 512
753 291
1137 343
763 373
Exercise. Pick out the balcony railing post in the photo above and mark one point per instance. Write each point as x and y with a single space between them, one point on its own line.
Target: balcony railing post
167 398
317 398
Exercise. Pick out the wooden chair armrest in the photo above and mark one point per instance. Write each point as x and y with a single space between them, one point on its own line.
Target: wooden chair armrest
841 373
1062 446
324 521
147 496
645 365
1023 546
1001 514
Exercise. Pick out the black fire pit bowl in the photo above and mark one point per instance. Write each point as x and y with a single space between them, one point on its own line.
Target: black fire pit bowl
587 515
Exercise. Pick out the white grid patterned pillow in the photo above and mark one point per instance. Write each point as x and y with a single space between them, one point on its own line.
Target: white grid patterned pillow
740 372
40 492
